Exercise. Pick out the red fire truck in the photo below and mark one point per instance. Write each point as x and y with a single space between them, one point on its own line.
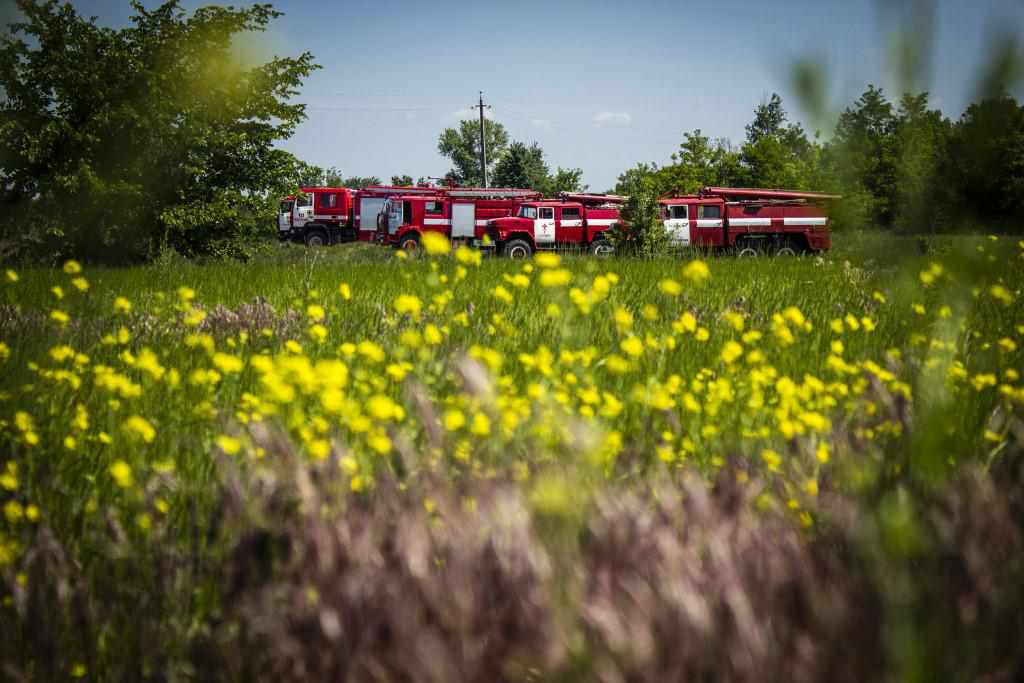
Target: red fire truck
327 215
459 213
573 221
749 221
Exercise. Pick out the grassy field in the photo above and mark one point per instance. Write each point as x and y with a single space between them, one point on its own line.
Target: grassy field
158 422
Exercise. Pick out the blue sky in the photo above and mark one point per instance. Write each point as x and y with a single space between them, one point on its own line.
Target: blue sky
599 85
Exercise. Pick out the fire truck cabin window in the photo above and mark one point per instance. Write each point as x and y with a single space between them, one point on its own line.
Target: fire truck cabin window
705 211
528 212
327 201
304 201
571 214
286 207
547 212
433 207
677 211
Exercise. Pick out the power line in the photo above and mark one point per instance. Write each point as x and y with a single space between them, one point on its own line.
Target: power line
483 138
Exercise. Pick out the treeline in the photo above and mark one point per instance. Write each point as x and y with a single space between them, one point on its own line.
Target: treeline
899 165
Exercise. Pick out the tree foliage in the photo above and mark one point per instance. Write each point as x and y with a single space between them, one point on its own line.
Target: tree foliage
522 166
119 142
462 146
401 180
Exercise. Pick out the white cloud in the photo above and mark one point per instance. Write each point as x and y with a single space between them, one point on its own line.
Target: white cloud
543 124
612 118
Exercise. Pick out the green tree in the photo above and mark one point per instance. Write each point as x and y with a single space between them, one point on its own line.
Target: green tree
922 136
401 180
522 166
863 156
116 142
565 180
359 182
640 231
462 146
983 167
768 119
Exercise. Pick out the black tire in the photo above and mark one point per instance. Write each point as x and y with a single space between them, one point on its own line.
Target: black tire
785 251
410 244
517 249
316 238
746 251
602 247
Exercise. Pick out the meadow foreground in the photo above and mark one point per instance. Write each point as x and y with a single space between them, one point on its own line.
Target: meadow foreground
349 465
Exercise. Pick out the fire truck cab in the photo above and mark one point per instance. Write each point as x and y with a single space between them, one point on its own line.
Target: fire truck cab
572 221
749 221
329 215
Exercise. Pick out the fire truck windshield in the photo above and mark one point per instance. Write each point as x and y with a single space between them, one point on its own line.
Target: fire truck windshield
528 212
303 201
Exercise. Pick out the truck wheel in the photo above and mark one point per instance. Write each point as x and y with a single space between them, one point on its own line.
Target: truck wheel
316 238
518 249
410 244
602 248
746 252
785 251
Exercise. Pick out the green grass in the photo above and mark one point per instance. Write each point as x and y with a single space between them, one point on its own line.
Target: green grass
924 391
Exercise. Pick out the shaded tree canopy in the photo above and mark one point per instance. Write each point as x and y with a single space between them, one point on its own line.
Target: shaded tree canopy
119 142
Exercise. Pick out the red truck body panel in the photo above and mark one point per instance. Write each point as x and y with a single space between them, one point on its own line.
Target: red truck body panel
741 218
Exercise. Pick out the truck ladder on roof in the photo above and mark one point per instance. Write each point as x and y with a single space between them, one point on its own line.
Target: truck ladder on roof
754 193
591 198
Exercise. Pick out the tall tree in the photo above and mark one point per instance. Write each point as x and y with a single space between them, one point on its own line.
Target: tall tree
522 166
401 180
922 136
462 146
565 180
768 119
117 141
863 155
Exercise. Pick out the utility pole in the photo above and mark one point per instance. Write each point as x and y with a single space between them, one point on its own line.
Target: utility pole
483 138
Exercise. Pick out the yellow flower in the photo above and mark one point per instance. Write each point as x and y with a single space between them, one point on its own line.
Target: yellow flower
316 312
1001 294
670 287
345 291
632 346
432 335
11 276
467 256
227 363
697 271
57 292
558 277
546 259
72 267
13 511
122 305
771 459
731 351
60 317
228 444
454 419
138 425
408 304
811 487
435 244
122 474
481 425
502 294
80 283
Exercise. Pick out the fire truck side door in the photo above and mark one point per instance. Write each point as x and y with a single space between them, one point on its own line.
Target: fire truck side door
368 209
709 225
544 225
463 219
677 225
284 215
